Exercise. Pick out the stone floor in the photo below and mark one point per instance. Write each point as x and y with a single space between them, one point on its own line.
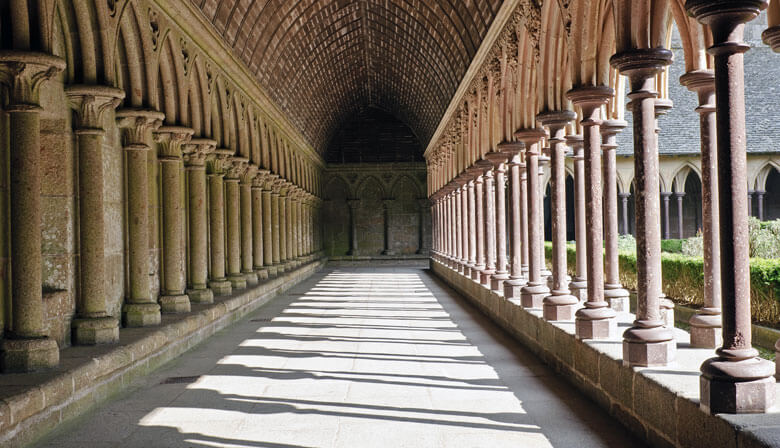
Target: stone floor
353 357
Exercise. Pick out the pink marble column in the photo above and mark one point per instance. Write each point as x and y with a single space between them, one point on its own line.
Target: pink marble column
490 224
596 320
560 304
532 294
499 160
479 196
579 283
472 223
736 380
516 280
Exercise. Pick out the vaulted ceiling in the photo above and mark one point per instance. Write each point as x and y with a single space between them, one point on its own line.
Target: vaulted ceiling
323 61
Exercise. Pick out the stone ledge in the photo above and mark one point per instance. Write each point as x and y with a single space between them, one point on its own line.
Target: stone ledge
32 404
659 404
412 260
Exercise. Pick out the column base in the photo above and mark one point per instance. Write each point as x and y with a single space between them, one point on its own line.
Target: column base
262 273
579 288
513 287
141 314
179 303
617 297
28 355
706 331
281 267
532 295
251 278
551 281
237 281
559 307
476 272
721 393
595 322
497 281
221 287
485 276
200 295
95 330
667 312
273 271
648 354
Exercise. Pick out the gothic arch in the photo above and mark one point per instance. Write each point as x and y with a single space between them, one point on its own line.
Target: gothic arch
759 182
131 62
681 175
366 183
401 183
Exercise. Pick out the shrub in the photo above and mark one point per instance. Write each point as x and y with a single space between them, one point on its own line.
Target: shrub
693 246
764 238
626 243
672 246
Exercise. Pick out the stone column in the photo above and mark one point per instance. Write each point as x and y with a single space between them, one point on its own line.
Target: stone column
140 308
490 223
247 226
271 224
499 160
464 225
458 226
299 227
216 167
624 204
545 272
479 208
706 325
516 281
614 293
472 225
560 304
288 225
679 196
169 142
92 324
596 320
760 197
524 220
579 283
386 204
648 342
22 74
532 294
736 380
354 205
195 154
750 202
666 195
259 255
236 169
283 226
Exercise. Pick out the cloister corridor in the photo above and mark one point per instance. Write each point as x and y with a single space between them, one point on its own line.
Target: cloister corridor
353 357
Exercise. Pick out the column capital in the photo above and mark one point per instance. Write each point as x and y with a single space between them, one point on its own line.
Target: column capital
249 173
556 120
497 159
219 161
260 179
723 15
135 124
662 106
577 144
91 103
590 99
197 150
609 131
624 195
170 139
530 136
641 63
696 80
510 148
23 73
236 168
771 37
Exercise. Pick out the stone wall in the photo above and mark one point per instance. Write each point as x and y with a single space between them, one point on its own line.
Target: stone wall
375 192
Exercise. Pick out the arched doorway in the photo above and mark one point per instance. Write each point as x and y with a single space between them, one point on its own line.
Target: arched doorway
772 196
692 205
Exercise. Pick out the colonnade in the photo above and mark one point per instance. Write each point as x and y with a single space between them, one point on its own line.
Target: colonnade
470 232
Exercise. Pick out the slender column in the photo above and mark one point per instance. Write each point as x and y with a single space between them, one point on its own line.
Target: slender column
499 160
706 331
458 226
532 294
490 224
472 225
92 324
579 283
22 75
283 254
275 185
140 308
760 197
172 294
545 272
750 202
614 293
247 227
238 166
736 380
624 204
596 320
299 228
679 196
464 225
288 221
261 226
560 304
354 205
386 204
195 154
270 225
648 342
524 219
479 196
665 195
216 167
516 281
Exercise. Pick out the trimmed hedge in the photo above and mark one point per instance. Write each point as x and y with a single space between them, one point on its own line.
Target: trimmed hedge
672 246
683 280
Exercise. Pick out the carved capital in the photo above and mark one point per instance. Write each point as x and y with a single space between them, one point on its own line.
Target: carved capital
135 125
248 176
218 162
22 75
91 103
197 150
170 139
260 179
236 168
